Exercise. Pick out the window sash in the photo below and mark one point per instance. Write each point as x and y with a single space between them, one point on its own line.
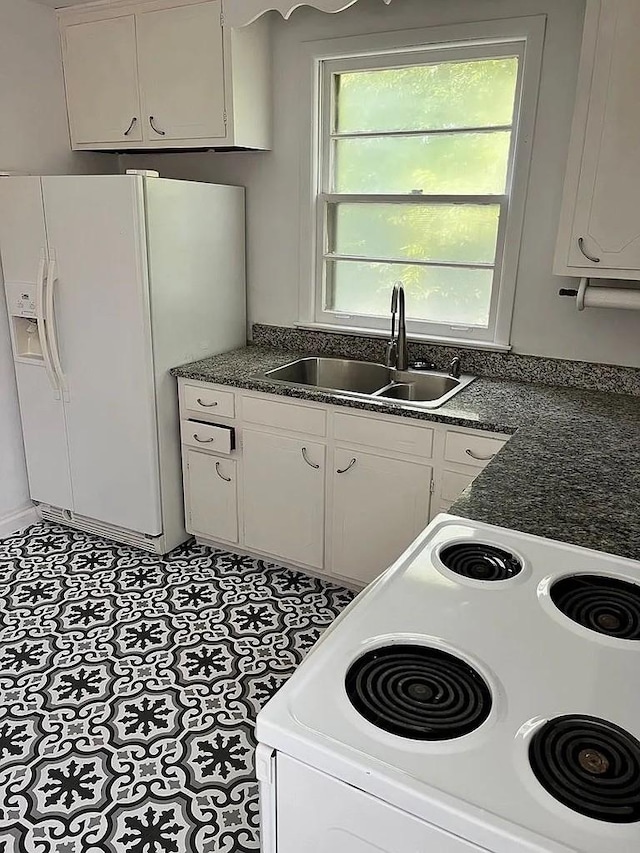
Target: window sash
333 200
324 270
447 131
517 37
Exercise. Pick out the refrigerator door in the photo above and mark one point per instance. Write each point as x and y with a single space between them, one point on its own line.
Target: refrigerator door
23 245
102 346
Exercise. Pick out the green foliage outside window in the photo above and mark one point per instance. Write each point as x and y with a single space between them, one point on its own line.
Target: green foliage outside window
447 97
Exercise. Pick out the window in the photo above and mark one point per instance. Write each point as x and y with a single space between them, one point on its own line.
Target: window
417 155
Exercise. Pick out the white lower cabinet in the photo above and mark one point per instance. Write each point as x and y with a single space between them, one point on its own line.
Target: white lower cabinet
314 486
283 496
211 496
379 505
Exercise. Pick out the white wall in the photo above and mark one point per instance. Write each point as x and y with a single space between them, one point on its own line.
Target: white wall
33 139
544 324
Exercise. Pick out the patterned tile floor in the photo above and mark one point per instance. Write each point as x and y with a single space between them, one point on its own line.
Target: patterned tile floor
129 686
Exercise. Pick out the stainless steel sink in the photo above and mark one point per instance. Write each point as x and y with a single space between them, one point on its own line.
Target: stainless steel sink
420 387
334 374
374 381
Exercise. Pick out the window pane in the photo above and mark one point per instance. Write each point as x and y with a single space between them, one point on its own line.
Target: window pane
467 163
476 93
435 294
453 233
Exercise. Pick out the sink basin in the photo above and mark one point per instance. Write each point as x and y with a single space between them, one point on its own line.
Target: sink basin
420 388
365 379
334 374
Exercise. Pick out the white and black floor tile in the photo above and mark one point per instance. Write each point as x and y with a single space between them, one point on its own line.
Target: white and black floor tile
129 687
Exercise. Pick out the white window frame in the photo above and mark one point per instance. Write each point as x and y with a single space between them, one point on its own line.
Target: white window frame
521 37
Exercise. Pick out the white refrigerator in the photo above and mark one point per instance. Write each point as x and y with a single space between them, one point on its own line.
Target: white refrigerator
110 281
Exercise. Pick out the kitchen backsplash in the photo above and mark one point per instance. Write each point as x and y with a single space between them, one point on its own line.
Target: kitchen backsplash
495 365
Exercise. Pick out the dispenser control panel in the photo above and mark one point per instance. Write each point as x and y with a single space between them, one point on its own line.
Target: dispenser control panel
21 299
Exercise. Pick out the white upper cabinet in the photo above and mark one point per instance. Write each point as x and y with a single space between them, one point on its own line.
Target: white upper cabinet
179 55
101 80
600 227
164 74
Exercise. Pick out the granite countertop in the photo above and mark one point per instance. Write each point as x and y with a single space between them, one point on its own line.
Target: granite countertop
570 472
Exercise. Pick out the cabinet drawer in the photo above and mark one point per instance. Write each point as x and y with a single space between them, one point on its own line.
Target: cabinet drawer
209 401
454 484
476 450
207 436
397 436
284 416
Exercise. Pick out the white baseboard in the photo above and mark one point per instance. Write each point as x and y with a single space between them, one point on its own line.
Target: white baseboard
17 520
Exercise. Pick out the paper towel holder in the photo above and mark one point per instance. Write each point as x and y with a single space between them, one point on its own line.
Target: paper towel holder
582 289
577 294
603 297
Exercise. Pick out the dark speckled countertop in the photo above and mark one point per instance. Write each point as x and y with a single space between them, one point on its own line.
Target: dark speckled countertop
571 471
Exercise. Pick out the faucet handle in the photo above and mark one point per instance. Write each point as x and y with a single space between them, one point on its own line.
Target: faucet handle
455 367
392 353
394 299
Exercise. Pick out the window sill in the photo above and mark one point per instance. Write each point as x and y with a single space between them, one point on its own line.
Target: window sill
489 346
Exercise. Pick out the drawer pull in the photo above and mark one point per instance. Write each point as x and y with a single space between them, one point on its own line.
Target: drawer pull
221 475
348 468
307 460
202 440
202 403
479 458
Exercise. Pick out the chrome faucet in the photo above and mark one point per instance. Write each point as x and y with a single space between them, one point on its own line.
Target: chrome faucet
454 367
397 352
392 346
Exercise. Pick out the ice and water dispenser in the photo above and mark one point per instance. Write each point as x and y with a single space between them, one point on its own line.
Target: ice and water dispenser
24 321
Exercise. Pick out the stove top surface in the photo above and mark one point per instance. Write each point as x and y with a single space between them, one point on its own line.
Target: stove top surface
490 672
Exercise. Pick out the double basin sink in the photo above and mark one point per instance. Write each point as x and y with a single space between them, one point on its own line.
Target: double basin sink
428 389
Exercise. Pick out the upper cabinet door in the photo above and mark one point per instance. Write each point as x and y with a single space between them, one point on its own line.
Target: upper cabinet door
102 82
600 231
180 60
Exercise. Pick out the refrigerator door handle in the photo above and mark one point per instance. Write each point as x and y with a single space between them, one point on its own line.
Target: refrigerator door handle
50 322
42 327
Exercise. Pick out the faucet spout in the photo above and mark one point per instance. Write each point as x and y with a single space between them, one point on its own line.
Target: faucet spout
392 346
402 361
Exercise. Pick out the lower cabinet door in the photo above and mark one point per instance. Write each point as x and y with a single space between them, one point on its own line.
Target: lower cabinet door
379 507
283 497
212 496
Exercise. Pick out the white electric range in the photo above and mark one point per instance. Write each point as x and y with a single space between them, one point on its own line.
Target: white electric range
483 694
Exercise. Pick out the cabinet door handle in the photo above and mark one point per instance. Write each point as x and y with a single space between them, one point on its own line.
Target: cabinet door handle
202 403
221 475
307 460
348 468
589 257
202 440
154 128
130 128
479 458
